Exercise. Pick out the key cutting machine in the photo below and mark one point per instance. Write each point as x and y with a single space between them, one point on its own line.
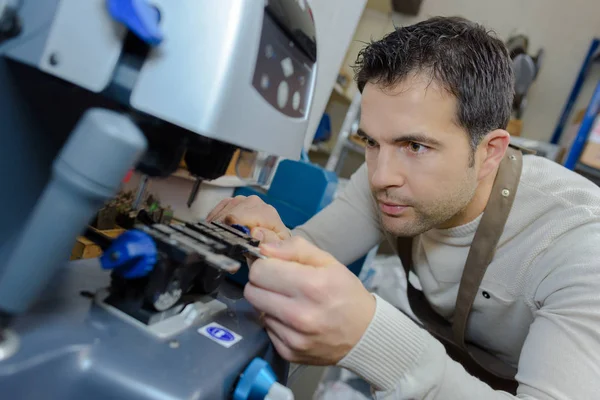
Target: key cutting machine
90 89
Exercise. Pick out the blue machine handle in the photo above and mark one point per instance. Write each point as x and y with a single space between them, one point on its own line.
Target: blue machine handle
133 255
255 382
258 382
138 16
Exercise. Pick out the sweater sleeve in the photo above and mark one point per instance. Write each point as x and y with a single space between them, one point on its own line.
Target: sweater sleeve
348 227
560 358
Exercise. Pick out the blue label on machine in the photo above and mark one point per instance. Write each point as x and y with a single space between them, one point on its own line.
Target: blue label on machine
218 333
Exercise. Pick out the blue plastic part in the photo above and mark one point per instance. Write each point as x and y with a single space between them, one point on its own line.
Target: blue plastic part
138 16
299 190
564 117
578 145
304 156
241 228
132 255
255 381
307 187
323 130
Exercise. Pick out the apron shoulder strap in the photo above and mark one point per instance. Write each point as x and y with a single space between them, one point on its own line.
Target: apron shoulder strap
486 239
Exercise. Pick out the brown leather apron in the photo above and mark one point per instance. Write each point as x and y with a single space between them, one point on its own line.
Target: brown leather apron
479 363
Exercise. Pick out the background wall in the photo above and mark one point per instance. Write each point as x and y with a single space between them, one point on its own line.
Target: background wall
335 21
563 28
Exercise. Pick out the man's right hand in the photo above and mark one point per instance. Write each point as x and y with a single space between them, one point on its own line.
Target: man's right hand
262 219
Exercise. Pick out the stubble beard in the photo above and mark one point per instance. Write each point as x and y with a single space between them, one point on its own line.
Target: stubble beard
420 218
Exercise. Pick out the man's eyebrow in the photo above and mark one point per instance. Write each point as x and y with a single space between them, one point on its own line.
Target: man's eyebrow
418 138
362 133
411 137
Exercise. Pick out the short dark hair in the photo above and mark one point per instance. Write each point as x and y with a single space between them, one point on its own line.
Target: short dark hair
461 56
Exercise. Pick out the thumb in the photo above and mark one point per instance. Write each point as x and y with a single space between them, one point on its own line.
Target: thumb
265 236
299 250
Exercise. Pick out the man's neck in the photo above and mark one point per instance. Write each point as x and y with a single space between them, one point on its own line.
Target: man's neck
476 206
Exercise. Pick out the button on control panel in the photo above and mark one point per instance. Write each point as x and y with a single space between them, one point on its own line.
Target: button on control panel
287 66
296 100
283 92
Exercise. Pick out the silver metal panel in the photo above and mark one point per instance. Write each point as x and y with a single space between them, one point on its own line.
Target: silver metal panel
200 77
84 44
37 18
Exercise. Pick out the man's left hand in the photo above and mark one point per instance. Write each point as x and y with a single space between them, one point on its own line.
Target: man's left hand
315 309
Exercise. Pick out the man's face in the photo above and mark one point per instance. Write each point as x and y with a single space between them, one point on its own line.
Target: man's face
418 158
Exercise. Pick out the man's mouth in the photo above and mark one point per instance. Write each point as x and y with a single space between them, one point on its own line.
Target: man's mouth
391 209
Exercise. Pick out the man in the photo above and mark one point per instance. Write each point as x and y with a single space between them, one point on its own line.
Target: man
436 102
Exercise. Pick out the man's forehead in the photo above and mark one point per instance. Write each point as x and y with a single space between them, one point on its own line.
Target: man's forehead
415 106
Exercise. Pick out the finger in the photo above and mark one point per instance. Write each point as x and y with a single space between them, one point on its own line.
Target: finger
256 216
268 302
250 260
229 207
299 250
282 349
265 235
215 211
279 276
294 340
252 212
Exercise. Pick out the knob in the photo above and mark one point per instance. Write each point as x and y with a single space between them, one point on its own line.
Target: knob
258 382
138 16
132 255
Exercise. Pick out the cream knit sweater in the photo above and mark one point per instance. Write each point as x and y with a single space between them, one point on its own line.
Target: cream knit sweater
543 309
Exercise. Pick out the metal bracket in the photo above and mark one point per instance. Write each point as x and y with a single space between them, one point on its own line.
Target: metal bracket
192 314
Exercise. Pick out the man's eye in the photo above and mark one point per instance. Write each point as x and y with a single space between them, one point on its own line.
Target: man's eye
416 148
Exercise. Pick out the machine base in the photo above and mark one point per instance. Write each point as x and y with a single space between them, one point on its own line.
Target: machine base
70 347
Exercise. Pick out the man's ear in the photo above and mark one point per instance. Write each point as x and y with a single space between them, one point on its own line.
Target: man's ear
491 150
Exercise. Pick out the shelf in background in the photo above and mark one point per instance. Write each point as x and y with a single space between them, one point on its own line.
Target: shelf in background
383 6
339 94
320 148
353 143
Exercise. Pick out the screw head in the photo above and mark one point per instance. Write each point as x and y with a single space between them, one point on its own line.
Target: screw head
54 59
513 157
505 192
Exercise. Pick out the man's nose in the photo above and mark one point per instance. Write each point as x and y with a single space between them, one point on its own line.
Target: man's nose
388 172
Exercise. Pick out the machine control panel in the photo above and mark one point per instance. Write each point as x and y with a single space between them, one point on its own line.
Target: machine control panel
284 70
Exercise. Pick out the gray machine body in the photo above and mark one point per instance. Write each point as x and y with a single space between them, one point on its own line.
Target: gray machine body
224 81
210 65
71 348
68 347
